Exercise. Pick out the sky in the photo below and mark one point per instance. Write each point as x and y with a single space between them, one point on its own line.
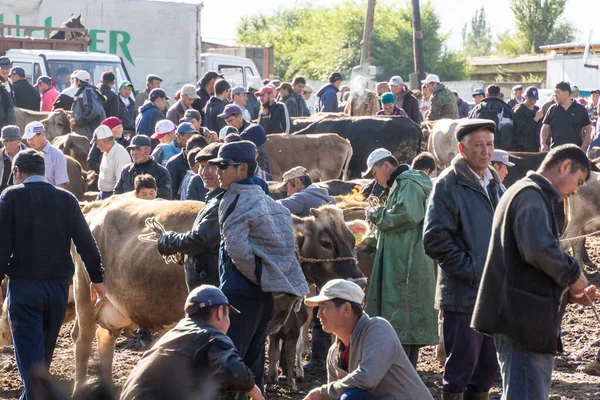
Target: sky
453 13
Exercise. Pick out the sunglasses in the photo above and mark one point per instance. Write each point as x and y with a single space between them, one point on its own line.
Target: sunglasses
224 166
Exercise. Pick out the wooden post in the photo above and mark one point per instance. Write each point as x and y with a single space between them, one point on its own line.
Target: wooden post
367 42
418 40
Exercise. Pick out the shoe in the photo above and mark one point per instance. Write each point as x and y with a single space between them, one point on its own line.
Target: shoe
314 366
452 396
592 368
319 347
476 396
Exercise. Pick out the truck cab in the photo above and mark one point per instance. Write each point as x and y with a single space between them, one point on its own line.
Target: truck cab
236 70
55 63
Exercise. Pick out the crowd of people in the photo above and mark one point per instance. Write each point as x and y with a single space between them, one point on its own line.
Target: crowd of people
210 145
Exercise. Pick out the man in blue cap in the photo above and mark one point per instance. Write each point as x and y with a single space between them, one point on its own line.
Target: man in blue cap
195 359
26 96
528 123
186 138
143 163
478 95
252 265
151 112
7 108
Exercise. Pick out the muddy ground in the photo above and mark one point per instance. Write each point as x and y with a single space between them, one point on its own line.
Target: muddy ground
581 336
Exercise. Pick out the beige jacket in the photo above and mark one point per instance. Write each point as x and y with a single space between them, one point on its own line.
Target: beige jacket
356 107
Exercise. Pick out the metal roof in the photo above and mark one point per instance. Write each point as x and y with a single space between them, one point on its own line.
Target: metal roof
67 55
498 60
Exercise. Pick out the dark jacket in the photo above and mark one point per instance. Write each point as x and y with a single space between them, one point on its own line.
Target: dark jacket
409 103
192 360
277 120
498 111
200 103
328 101
88 109
127 114
176 112
214 107
196 190
522 289
253 106
292 106
463 109
200 245
457 231
302 107
257 135
7 108
26 96
147 118
160 173
6 174
37 245
526 129
177 167
111 105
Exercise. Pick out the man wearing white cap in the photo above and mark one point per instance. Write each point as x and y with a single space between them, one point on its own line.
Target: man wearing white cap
177 110
402 282
443 102
88 106
366 361
501 164
115 157
164 132
54 160
405 99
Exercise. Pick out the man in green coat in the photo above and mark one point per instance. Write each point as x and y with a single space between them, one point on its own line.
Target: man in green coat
402 284
443 102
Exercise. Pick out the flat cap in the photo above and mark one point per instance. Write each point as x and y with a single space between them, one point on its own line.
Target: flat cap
466 126
209 152
28 156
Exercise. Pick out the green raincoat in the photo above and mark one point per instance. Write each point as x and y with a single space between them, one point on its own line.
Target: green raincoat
402 286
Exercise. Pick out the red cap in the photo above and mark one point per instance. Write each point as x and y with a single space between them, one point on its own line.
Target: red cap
112 122
265 89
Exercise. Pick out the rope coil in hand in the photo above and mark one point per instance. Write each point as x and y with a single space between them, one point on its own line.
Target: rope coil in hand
156 227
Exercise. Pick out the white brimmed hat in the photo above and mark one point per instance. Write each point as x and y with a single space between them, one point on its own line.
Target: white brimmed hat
375 156
337 289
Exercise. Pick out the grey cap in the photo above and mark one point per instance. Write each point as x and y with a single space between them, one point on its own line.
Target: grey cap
10 132
206 296
502 157
237 90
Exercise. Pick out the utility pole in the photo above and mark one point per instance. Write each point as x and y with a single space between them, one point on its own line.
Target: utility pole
418 41
367 42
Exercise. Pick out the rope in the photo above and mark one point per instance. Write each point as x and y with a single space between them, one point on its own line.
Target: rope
156 227
322 260
580 229
593 306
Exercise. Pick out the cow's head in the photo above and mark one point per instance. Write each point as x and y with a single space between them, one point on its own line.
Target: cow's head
57 124
324 236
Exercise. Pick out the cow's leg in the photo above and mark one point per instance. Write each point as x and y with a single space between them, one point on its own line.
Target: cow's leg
299 371
83 336
106 349
289 347
580 252
306 326
274 353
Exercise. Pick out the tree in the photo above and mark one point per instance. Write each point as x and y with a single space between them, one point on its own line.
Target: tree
316 40
477 41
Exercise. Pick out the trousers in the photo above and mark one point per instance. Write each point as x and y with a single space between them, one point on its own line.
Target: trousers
36 310
356 394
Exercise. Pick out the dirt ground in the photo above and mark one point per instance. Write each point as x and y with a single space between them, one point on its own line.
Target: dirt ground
581 337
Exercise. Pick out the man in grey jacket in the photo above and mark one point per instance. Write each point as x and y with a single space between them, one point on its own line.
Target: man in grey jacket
366 361
302 193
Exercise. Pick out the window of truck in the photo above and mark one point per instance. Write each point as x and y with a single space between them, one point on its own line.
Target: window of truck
233 74
249 74
95 69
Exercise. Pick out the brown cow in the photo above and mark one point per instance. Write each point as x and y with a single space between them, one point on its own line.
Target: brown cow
143 291
77 178
74 145
56 122
325 156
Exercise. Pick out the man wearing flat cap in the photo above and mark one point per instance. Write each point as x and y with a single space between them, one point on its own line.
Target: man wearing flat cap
302 193
39 222
11 145
195 359
458 227
517 98
152 82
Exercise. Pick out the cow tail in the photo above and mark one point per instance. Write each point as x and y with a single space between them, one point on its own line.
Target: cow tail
345 176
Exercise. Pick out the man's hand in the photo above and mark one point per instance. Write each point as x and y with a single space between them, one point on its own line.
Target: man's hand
97 293
591 292
539 115
255 394
72 122
543 148
362 246
314 394
579 286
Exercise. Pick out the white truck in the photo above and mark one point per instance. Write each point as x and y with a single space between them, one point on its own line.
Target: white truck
150 36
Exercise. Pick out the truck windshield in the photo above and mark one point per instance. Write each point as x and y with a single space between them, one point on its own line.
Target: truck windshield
61 70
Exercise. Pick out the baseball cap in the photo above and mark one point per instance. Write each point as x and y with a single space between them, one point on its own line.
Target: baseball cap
33 128
597 91
44 79
396 81
431 78
139 141
254 83
266 89
10 132
466 126
28 156
112 122
517 87
375 156
337 289
163 127
294 173
125 84
82 75
185 128
103 132
153 77
307 89
206 296
210 75
478 92
4 62
230 109
388 98
156 93
237 90
17 71
532 93
191 114
208 152
189 91
334 77
502 157
574 88
243 151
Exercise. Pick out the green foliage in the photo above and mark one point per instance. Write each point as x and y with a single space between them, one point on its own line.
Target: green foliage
477 41
316 40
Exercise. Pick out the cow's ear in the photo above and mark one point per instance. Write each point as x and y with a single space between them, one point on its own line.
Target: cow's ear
358 227
315 212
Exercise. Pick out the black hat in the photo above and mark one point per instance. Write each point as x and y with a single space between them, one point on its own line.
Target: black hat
206 296
209 152
466 126
153 77
156 93
597 91
28 156
244 151
210 75
532 93
334 77
4 62
139 141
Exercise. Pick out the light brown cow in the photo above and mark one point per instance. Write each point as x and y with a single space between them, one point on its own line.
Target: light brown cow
442 141
141 289
77 178
325 156
74 145
56 122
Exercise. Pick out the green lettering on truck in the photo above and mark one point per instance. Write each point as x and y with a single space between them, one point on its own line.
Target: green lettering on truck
114 41
95 40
